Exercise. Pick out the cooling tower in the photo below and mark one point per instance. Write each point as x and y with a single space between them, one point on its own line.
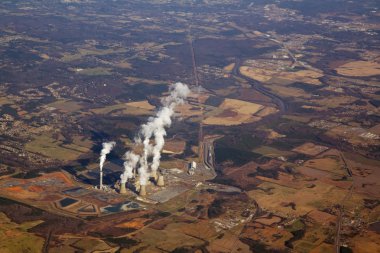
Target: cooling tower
160 181
123 190
154 175
142 191
137 183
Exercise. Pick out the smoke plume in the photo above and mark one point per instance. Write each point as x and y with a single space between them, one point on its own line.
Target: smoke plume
107 147
155 129
131 160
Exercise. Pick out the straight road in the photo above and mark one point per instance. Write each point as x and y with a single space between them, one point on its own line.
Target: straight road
197 84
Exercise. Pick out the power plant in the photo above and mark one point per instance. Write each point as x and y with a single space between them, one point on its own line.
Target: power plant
143 168
123 189
160 181
107 148
157 179
142 191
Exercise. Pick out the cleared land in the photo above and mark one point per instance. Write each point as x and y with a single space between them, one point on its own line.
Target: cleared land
142 105
132 108
322 217
235 112
273 236
359 68
370 239
264 75
289 91
310 149
35 188
46 145
174 146
229 67
188 110
93 245
305 200
167 239
15 238
82 52
66 105
330 163
272 152
98 71
334 101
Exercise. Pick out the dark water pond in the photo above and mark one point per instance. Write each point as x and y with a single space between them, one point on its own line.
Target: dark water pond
67 201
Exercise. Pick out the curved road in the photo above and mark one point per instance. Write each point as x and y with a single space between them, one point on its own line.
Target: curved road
208 144
257 86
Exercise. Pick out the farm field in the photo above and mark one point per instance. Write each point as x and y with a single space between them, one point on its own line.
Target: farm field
189 126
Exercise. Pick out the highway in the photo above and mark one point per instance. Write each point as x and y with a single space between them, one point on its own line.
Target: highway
209 155
206 146
340 218
195 73
258 87
197 84
341 205
206 152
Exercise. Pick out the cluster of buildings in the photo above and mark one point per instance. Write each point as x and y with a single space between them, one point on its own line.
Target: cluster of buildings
156 179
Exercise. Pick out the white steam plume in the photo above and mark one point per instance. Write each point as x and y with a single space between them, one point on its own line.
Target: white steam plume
107 147
131 160
155 127
159 139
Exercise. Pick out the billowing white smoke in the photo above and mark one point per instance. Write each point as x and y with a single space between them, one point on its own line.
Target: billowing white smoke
155 127
131 160
159 141
107 147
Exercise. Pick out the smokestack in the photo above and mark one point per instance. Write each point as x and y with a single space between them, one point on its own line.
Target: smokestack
107 147
142 191
123 190
101 180
160 181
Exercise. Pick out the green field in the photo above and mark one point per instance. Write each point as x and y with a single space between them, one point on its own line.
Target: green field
67 57
66 105
96 71
271 152
47 146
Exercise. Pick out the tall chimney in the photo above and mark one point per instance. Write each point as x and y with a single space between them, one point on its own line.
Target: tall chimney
101 180
160 181
142 191
123 190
